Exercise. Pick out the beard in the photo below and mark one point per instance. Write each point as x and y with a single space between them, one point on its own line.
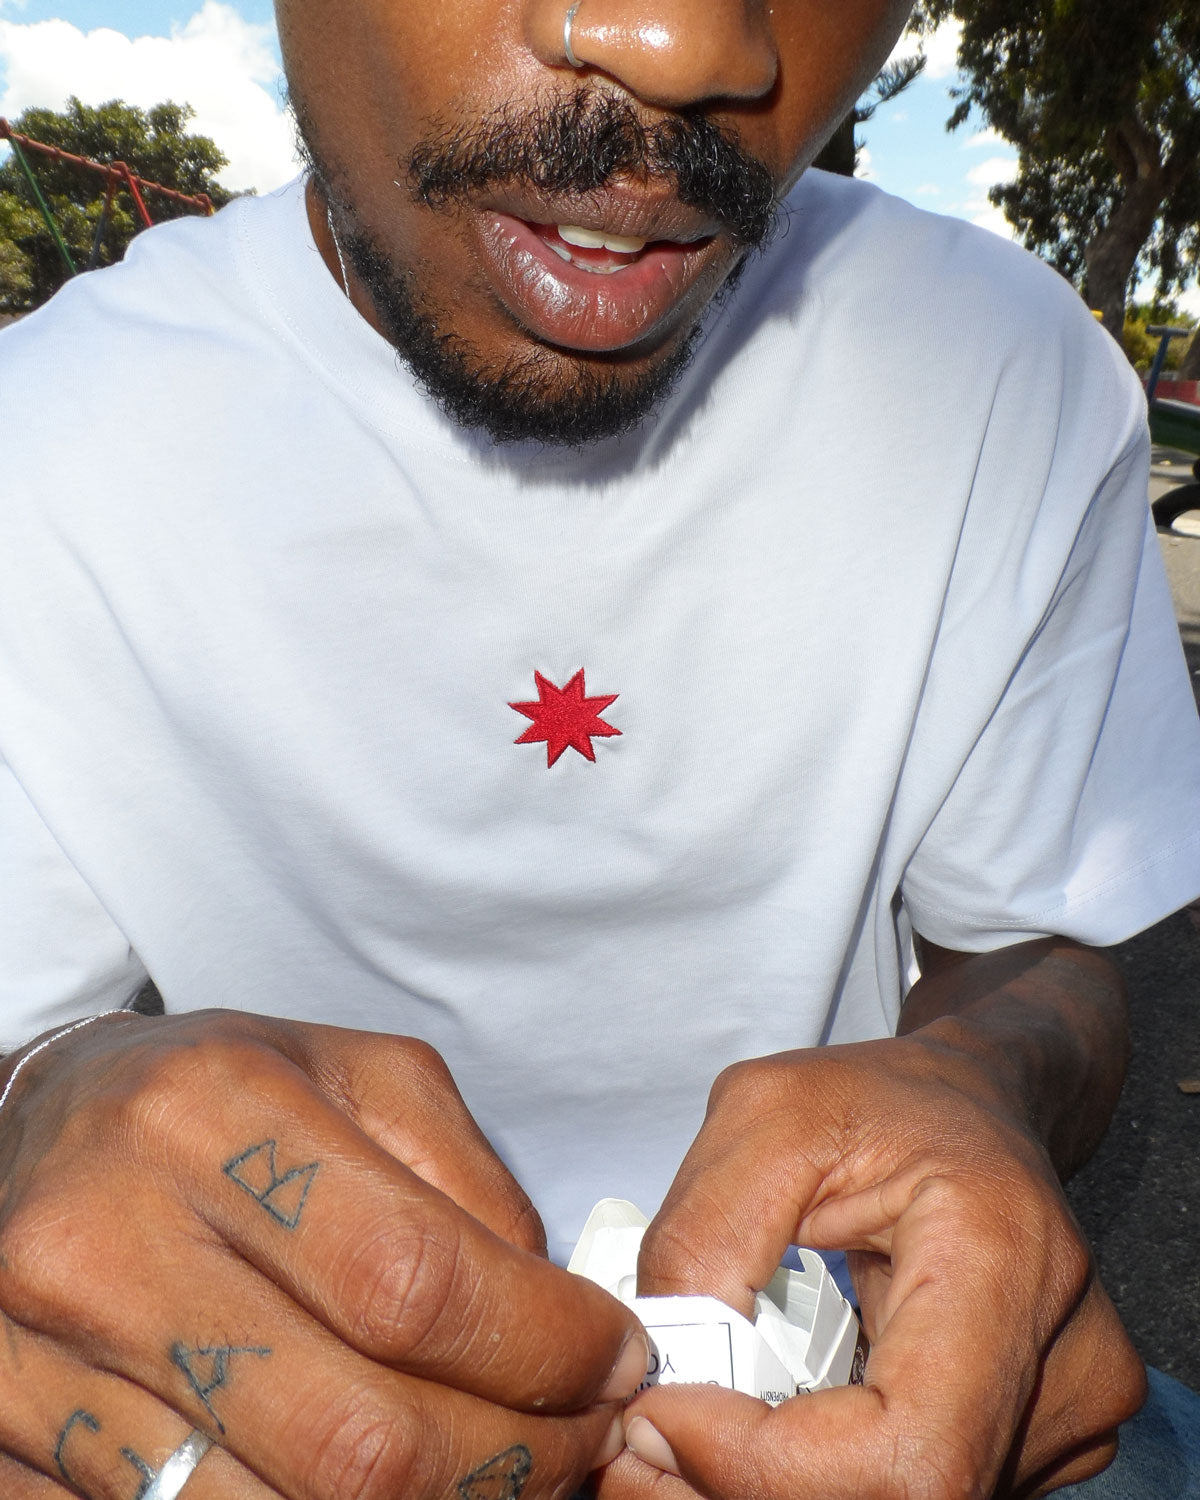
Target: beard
577 143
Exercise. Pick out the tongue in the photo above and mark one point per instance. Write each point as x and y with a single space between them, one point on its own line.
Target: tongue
603 260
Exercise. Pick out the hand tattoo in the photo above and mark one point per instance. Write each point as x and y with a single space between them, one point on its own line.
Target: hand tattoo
81 1418
78 1418
501 1478
207 1370
283 1197
148 1475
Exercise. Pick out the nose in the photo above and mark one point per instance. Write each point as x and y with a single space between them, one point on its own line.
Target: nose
670 53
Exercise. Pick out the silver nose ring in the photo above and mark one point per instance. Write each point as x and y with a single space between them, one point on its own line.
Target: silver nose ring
568 50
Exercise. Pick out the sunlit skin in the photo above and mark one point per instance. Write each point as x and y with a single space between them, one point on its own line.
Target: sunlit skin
375 77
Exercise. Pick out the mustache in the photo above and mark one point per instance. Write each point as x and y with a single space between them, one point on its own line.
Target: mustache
580 142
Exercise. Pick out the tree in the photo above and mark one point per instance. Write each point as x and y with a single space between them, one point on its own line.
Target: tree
1189 365
840 153
154 144
1102 100
1141 345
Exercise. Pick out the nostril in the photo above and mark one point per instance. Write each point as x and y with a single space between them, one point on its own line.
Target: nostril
664 51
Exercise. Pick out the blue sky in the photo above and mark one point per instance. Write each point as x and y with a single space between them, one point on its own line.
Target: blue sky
221 56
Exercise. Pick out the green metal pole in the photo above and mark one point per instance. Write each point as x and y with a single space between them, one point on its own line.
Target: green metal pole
44 207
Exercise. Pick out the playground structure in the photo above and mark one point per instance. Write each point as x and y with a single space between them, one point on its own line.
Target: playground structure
118 175
1177 424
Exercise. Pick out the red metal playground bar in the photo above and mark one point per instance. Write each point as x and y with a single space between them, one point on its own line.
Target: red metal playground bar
117 174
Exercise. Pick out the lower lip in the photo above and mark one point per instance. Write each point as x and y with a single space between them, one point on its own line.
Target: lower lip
563 304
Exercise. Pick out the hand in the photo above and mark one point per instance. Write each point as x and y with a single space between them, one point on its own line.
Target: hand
998 1365
296 1239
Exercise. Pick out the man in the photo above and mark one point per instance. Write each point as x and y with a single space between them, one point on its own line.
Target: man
548 717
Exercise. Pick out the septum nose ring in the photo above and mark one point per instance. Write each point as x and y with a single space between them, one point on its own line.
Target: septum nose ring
568 49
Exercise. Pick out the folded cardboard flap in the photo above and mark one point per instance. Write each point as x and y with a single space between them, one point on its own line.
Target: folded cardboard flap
803 1338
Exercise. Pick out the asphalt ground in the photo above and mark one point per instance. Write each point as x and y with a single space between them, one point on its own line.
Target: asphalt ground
1138 1199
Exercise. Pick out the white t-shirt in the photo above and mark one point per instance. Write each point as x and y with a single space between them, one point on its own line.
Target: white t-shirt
871 620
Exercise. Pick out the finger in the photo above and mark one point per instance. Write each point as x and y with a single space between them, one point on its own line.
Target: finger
385 1261
1089 1378
86 1432
918 1410
1088 1460
310 1416
400 1092
1092 1381
629 1478
17 1482
733 1207
819 1445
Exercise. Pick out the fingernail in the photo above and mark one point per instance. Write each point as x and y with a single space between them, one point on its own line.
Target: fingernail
614 1441
650 1445
629 1370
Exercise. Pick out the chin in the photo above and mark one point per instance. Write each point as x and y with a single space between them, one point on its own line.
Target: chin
537 393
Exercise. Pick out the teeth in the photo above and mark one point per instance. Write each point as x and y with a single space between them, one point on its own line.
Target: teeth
581 264
596 239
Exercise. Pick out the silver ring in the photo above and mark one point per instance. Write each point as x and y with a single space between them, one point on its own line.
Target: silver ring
568 50
179 1468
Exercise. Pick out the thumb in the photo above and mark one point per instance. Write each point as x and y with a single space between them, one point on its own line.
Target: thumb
736 1201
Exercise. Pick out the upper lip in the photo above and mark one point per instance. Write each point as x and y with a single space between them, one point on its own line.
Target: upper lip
637 211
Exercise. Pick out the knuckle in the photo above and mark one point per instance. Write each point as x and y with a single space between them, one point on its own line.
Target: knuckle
668 1251
362 1450
1118 1386
46 1257
749 1078
521 1224
1131 1386
174 1087
1074 1267
399 1282
421 1058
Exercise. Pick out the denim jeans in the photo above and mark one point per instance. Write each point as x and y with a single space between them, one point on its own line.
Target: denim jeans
1159 1458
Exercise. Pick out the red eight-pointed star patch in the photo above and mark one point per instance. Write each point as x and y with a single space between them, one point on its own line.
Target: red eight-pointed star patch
564 717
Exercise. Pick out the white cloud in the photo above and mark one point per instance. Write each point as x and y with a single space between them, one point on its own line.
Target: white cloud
986 137
978 207
862 165
218 63
985 215
940 48
928 190
994 170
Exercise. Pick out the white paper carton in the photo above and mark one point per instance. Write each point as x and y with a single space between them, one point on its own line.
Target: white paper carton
804 1336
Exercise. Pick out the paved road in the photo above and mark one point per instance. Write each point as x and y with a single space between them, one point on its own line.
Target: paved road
1139 1198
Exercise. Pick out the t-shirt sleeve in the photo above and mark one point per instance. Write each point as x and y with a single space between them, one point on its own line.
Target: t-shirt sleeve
1075 809
61 955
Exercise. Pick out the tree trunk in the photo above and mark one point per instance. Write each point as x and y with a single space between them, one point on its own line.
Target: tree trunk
839 152
1111 254
1189 369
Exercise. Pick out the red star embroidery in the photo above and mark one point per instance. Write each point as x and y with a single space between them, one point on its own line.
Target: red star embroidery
565 717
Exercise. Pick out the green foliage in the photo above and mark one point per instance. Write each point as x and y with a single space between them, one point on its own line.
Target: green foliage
841 152
155 145
1102 100
1141 346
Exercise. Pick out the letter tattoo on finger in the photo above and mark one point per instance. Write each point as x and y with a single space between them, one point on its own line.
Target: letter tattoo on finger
207 1371
148 1475
500 1478
283 1195
78 1418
